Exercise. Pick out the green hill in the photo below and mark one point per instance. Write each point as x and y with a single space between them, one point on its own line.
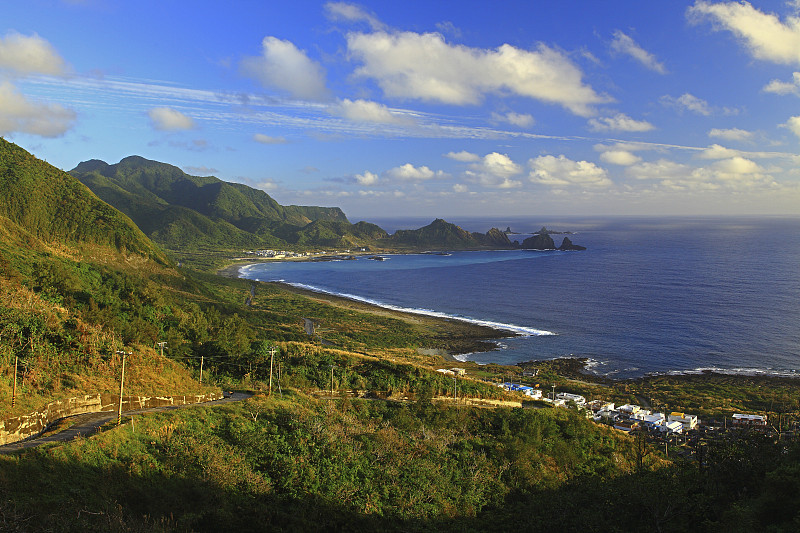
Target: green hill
442 234
43 201
182 211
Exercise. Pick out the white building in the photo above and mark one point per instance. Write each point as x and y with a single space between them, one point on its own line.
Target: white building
740 419
650 420
629 409
672 427
568 397
688 421
536 394
601 405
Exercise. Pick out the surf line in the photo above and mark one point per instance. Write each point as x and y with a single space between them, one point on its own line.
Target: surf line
519 330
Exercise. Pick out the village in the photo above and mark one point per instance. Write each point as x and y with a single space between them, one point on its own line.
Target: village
664 429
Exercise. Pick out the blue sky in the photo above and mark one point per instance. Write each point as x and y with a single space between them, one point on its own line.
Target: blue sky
424 108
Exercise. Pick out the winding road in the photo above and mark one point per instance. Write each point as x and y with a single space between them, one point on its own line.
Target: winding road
88 423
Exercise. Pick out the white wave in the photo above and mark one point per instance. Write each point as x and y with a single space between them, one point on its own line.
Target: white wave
244 270
732 371
519 330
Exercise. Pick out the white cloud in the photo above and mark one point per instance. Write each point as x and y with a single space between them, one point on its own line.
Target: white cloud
784 87
662 169
733 173
20 115
410 65
733 134
367 178
497 164
764 34
24 55
352 13
463 156
368 111
266 139
522 120
495 170
409 172
737 173
625 45
627 146
460 187
200 170
688 102
168 119
268 184
285 67
794 125
619 122
715 151
620 157
563 172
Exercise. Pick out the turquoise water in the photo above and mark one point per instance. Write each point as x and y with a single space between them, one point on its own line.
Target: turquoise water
649 295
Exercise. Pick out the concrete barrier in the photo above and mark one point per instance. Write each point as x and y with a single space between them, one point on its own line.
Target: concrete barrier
25 426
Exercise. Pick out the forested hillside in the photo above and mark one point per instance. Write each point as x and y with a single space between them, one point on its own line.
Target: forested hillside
182 211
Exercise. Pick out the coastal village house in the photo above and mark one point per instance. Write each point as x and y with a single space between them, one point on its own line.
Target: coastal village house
579 400
673 428
688 421
744 420
532 392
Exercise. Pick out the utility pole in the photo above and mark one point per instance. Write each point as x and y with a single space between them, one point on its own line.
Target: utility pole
14 393
161 345
121 384
554 392
201 369
271 358
332 380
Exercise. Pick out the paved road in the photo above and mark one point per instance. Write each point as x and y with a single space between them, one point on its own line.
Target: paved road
88 423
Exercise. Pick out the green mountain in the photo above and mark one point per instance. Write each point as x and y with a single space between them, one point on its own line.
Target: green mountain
183 211
442 234
48 205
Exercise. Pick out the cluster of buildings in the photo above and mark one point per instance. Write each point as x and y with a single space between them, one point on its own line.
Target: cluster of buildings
275 254
283 254
629 417
626 417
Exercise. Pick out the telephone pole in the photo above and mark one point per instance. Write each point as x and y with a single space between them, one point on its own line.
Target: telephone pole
271 359
201 369
121 385
161 345
14 393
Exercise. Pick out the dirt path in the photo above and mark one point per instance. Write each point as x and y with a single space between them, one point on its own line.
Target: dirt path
87 424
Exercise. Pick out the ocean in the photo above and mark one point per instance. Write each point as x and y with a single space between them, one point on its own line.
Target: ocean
649 295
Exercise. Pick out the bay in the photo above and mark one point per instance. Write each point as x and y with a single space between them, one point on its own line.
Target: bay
648 295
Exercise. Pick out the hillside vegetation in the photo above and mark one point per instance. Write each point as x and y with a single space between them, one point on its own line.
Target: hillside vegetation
360 432
182 211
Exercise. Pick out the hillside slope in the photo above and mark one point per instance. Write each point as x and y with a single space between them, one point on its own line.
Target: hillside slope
180 210
50 205
78 281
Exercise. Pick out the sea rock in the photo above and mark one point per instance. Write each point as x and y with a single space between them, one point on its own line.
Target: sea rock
566 245
539 242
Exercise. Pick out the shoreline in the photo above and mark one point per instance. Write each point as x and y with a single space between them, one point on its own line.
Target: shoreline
463 337
470 337
478 338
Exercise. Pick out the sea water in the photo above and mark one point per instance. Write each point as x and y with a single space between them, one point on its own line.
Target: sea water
648 295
